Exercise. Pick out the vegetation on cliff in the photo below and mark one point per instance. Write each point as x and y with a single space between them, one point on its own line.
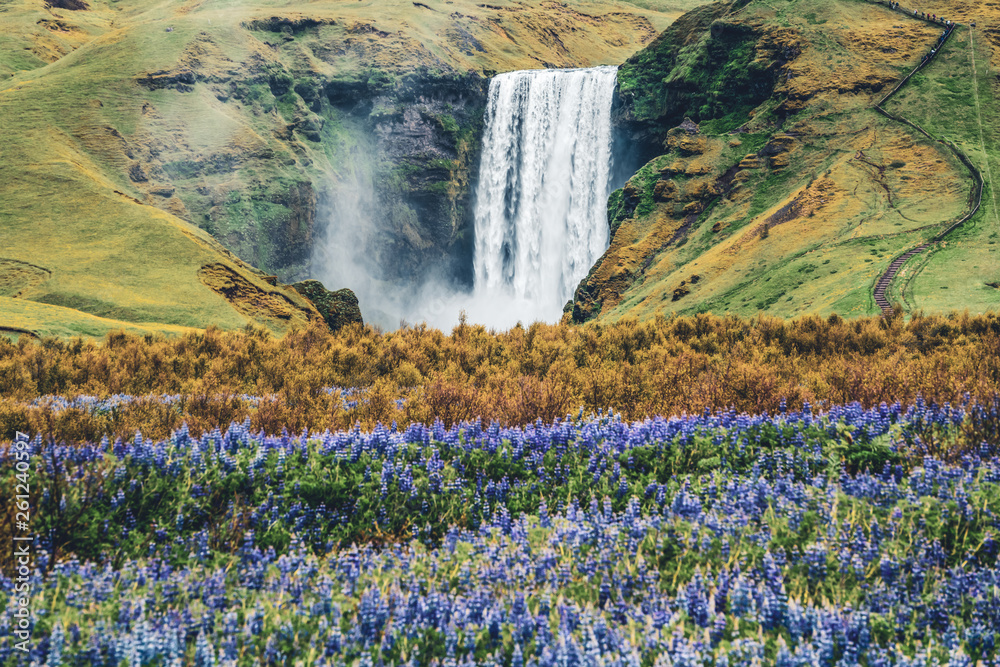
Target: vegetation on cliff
702 67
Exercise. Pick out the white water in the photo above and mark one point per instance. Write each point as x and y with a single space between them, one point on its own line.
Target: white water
540 217
541 204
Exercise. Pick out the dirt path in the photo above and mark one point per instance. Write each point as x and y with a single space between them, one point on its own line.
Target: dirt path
975 197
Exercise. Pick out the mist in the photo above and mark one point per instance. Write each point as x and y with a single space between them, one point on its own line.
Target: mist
540 213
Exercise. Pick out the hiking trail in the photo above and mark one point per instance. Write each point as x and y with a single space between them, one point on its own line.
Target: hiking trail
884 282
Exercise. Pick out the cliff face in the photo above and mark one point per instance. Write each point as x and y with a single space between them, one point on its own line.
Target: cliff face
771 184
299 135
708 66
424 132
266 193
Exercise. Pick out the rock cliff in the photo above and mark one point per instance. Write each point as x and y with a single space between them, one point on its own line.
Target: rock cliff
339 308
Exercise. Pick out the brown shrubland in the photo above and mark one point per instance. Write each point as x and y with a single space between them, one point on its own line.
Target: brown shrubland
663 366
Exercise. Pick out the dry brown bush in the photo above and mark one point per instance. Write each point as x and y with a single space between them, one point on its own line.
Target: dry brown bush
661 366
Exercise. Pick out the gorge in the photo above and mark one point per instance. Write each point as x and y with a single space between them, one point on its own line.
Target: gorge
540 217
541 202
158 180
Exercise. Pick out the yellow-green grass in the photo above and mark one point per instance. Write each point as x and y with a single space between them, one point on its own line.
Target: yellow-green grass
23 317
34 36
107 254
844 162
71 211
943 100
824 262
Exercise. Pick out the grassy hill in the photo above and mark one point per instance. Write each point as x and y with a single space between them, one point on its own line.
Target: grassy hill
793 195
140 135
956 101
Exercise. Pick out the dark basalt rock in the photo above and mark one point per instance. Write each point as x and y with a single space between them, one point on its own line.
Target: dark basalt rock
292 25
74 5
338 308
137 174
182 79
425 128
689 126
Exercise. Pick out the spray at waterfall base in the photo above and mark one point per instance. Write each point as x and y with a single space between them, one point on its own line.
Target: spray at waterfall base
540 211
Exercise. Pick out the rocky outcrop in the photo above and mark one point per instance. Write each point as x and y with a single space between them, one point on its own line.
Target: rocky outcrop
706 66
287 25
338 308
74 5
256 298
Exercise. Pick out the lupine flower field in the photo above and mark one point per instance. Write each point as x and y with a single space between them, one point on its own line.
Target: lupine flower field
835 536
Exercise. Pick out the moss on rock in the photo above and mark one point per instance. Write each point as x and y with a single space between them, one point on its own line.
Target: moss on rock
338 308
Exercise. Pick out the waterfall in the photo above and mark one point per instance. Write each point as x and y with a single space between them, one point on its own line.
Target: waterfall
540 212
541 217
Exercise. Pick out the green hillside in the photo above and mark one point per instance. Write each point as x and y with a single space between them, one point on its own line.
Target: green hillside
793 195
955 101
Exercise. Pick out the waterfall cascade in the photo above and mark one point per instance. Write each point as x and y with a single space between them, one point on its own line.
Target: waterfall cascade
541 218
540 212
